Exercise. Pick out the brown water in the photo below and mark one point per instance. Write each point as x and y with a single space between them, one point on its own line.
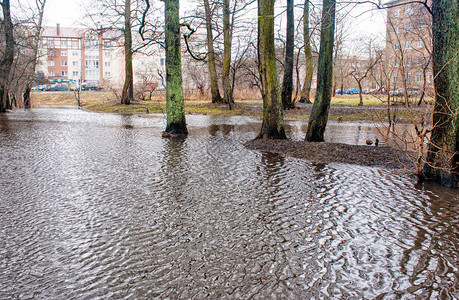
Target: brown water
99 206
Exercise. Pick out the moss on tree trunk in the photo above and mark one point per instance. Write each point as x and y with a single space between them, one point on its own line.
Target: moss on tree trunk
319 113
305 92
226 54
8 55
175 109
443 155
273 116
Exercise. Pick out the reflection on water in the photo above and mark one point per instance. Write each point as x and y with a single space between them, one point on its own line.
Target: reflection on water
100 206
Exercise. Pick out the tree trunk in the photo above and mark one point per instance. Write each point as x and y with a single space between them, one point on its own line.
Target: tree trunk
359 84
443 155
8 56
31 79
273 115
211 55
305 92
226 54
319 113
175 109
287 83
128 88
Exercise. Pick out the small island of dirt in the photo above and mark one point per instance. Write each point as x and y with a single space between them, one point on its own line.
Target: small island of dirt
377 156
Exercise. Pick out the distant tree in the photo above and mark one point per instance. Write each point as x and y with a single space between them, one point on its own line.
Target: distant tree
272 126
287 83
40 8
443 155
216 97
319 113
362 69
8 55
175 109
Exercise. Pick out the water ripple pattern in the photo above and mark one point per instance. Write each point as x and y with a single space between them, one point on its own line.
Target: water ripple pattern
99 206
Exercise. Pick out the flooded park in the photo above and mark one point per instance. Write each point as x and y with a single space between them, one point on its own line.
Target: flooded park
100 206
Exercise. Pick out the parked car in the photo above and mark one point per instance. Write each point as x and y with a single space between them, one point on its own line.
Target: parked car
412 92
339 91
91 86
74 87
41 87
57 87
352 91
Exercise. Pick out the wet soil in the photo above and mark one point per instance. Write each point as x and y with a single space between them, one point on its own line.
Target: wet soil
377 156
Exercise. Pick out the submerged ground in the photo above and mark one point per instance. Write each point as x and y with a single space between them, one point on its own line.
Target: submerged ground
343 109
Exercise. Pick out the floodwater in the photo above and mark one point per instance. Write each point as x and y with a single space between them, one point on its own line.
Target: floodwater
99 206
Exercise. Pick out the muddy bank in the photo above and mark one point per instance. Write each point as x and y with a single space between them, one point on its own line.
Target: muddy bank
378 156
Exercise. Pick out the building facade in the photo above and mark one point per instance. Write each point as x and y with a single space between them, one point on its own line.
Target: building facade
75 54
409 46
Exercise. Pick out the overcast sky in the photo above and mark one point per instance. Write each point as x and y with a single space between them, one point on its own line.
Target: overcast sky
70 13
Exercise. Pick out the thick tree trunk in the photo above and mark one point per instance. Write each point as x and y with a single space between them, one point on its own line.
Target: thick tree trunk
226 54
175 109
443 155
273 115
287 83
8 56
128 88
319 113
305 92
211 55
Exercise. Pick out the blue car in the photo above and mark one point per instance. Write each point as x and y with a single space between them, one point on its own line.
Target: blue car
352 91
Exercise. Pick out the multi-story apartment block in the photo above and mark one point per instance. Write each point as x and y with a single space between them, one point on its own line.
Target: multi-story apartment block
409 46
80 54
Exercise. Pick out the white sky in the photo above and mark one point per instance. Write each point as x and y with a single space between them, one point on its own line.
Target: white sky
71 12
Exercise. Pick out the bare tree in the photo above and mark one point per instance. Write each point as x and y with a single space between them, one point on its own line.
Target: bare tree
8 55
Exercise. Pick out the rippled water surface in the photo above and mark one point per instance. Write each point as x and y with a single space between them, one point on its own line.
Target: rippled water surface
100 206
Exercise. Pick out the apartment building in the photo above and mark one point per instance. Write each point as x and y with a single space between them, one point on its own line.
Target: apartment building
409 46
74 54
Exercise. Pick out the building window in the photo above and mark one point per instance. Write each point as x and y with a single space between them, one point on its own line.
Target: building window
394 78
408 77
75 44
75 63
162 62
50 43
107 74
51 63
107 44
63 53
409 10
75 73
397 13
396 62
407 61
63 63
408 27
418 77
64 43
64 73
429 77
107 54
50 53
407 44
51 73
107 64
40 53
74 53
420 44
